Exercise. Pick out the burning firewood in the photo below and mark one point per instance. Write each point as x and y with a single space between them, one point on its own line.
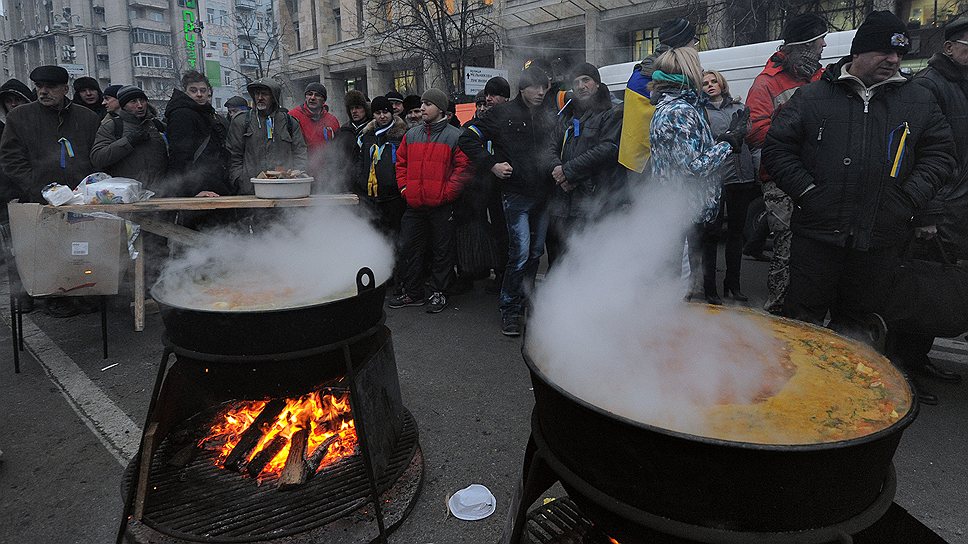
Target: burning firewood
261 459
312 463
295 472
250 438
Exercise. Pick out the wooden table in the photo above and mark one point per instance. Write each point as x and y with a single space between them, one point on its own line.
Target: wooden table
137 212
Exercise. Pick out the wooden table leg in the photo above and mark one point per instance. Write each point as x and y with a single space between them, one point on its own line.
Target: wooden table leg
139 284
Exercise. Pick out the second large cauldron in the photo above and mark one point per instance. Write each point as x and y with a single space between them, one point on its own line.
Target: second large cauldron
726 486
265 332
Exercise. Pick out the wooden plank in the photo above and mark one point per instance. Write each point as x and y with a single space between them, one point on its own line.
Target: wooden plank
213 203
139 285
147 452
177 233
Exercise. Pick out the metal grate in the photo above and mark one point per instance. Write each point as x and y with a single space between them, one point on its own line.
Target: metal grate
202 502
560 522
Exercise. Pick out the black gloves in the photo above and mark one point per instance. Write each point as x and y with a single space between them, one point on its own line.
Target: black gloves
736 133
137 135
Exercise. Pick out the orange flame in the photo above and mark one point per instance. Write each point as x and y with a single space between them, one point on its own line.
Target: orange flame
326 414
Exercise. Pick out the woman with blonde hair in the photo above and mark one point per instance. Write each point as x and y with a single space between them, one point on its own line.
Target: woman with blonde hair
740 187
684 151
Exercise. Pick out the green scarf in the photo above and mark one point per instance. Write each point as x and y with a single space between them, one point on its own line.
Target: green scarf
659 75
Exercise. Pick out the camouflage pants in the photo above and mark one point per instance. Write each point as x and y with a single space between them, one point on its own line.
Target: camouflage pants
780 207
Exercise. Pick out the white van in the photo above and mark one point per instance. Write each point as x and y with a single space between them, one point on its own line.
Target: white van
739 65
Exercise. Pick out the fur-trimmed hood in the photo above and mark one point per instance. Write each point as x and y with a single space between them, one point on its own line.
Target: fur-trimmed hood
397 130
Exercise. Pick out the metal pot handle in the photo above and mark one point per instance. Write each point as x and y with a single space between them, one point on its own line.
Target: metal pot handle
367 274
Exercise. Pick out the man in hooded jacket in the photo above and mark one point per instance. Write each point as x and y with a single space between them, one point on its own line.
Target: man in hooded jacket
87 93
583 157
13 94
794 65
198 160
264 138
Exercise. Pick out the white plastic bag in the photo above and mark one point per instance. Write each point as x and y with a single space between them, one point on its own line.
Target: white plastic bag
113 191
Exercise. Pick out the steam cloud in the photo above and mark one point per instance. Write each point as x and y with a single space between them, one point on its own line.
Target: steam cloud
610 325
315 253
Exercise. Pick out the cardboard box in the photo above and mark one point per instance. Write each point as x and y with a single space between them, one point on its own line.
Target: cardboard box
66 254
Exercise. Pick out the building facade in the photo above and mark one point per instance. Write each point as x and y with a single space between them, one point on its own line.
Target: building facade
147 43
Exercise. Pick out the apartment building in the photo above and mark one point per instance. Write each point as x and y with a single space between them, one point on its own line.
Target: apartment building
148 43
339 43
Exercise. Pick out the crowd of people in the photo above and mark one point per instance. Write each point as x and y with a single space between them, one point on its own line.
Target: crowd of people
856 163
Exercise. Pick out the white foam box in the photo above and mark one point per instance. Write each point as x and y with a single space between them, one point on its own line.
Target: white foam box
66 254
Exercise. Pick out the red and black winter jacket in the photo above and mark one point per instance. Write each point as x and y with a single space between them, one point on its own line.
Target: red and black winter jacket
431 169
771 89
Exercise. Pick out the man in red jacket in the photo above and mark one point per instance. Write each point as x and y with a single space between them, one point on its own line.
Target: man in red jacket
794 65
431 170
318 127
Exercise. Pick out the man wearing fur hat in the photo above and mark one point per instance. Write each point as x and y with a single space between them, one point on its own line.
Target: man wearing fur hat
49 140
520 132
583 157
794 65
860 152
264 138
358 111
318 126
411 111
376 182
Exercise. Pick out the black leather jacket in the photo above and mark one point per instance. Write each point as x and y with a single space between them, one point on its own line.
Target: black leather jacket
874 157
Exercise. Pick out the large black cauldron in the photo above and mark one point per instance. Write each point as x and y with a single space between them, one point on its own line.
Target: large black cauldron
266 332
728 486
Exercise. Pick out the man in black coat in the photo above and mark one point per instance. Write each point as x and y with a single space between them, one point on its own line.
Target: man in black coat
198 158
860 152
520 131
583 156
13 93
946 216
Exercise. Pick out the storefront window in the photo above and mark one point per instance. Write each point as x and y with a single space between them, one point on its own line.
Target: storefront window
921 13
644 42
405 81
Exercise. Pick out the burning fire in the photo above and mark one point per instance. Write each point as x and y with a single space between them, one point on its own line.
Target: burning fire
326 414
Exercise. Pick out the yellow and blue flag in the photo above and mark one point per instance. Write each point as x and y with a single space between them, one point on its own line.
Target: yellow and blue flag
634 148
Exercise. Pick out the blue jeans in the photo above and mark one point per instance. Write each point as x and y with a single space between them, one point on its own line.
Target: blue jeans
527 219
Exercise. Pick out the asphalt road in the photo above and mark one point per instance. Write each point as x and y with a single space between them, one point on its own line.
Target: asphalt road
69 423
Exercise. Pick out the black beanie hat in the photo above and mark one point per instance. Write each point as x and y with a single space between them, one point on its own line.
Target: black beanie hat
498 86
85 82
955 27
586 69
128 93
411 102
394 96
112 90
677 33
54 75
316 87
381 103
803 29
881 31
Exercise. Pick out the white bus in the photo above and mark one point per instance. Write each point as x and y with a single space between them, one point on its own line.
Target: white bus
739 65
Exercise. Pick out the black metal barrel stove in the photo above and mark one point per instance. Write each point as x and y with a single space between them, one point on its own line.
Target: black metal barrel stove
224 357
639 483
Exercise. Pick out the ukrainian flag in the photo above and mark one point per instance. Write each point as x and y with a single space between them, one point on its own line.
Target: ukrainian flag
634 148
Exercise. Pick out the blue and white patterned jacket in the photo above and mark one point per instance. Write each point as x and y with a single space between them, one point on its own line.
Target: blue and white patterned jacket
685 153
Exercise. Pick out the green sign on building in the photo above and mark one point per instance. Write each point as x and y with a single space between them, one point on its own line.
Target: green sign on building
213 71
